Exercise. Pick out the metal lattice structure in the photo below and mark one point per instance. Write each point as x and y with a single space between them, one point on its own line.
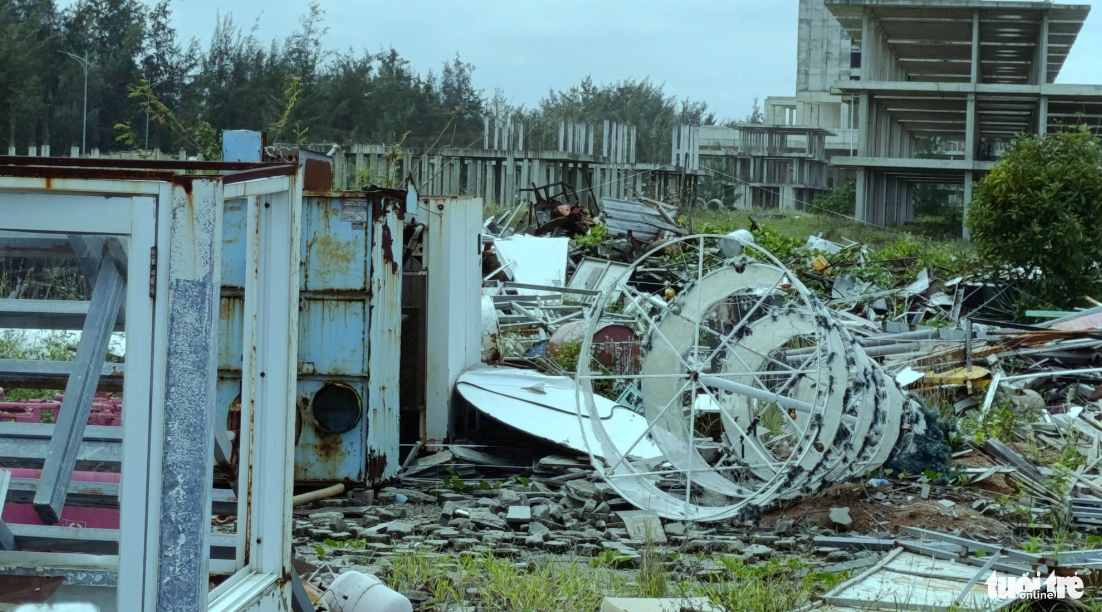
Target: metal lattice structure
743 418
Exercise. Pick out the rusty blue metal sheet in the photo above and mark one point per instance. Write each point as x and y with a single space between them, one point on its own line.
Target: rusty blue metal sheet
385 332
233 244
334 253
332 338
230 333
324 456
338 300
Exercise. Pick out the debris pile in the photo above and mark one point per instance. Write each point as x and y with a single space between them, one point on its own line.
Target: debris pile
650 392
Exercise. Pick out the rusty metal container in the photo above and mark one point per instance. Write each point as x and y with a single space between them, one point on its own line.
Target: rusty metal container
349 326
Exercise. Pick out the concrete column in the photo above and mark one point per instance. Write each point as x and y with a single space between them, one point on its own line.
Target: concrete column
967 203
1042 115
862 208
976 46
970 129
863 124
911 201
868 49
1042 52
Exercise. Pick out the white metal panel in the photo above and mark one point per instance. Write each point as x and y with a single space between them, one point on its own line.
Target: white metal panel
453 314
88 214
384 343
258 187
137 406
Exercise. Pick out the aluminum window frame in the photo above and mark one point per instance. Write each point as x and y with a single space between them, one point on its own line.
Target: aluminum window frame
81 202
269 379
263 581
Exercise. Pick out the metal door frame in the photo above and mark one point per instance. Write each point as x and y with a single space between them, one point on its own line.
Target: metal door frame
130 210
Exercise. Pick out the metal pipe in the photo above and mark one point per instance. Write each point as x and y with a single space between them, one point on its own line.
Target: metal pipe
1055 373
756 393
314 496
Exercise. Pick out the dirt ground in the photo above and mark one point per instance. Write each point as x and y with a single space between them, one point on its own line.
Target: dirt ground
899 504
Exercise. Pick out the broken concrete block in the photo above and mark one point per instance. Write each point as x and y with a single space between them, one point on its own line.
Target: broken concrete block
590 507
461 544
556 511
509 497
782 527
337 524
582 490
840 517
362 496
556 546
487 519
675 529
399 529
536 540
788 544
945 503
322 518
541 512
644 526
518 515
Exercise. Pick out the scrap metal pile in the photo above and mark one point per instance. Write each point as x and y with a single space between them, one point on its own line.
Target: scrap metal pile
720 366
752 390
712 380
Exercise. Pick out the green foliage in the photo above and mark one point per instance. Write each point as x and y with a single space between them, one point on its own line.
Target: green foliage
840 200
1036 213
14 344
1033 545
597 235
199 137
453 481
1000 422
770 587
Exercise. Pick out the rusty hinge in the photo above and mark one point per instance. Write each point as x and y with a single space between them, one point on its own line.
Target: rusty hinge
152 272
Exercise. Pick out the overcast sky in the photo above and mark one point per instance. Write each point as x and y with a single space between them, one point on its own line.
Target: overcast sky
726 52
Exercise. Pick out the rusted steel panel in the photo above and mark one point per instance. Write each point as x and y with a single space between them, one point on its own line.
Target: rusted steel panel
230 333
384 340
322 455
234 220
336 307
334 251
331 337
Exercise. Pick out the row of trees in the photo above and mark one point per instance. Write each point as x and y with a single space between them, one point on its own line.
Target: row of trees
295 88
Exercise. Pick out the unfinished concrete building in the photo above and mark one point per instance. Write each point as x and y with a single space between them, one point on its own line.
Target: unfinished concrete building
968 71
765 165
824 57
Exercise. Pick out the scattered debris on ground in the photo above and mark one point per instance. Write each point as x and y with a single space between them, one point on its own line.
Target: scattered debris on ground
990 464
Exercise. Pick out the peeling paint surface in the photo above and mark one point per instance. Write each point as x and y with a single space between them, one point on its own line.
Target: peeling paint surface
189 408
385 345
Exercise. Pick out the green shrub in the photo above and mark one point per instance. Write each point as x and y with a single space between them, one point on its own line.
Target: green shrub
1036 214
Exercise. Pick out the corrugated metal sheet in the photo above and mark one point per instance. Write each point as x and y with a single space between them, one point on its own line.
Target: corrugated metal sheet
644 222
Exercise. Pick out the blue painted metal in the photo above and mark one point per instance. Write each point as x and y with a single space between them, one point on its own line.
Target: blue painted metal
335 311
241 145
